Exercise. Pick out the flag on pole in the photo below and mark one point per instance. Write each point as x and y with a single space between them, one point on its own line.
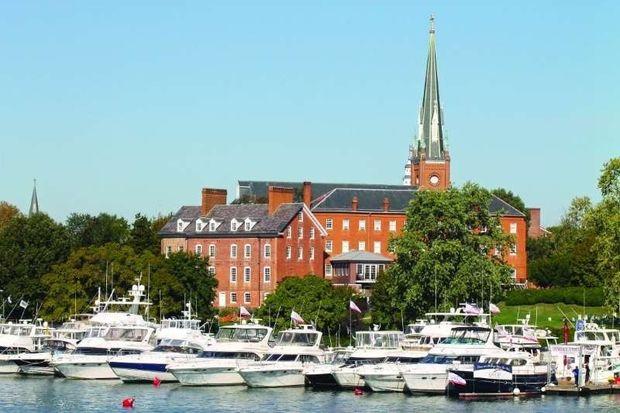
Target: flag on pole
23 304
472 309
296 317
493 308
9 299
243 312
455 379
354 307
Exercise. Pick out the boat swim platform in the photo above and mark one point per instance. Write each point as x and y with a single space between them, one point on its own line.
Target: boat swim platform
587 390
478 396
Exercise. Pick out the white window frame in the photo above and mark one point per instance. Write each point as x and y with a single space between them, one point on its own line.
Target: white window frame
267 251
513 248
374 247
513 227
233 298
377 225
289 232
361 225
212 250
247 225
329 224
300 216
345 246
392 226
311 253
247 275
300 253
211 270
361 246
234 225
329 245
289 252
247 251
312 233
234 251
233 274
198 250
328 270
267 274
300 233
168 250
247 297
345 224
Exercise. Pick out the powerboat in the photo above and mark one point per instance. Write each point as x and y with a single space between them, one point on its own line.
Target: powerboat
508 372
19 338
283 365
178 340
371 347
464 346
320 376
112 334
386 376
236 346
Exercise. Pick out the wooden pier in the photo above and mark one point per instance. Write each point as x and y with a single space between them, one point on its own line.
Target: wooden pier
587 390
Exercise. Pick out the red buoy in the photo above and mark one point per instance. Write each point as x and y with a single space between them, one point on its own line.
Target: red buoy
358 391
128 402
156 382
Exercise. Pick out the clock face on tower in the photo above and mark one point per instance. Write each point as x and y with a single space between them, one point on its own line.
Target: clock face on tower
434 180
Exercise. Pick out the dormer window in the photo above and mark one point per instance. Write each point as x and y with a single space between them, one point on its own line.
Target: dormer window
248 224
181 225
200 225
234 225
213 224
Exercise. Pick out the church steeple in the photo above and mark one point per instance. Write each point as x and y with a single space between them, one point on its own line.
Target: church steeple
429 165
34 201
430 130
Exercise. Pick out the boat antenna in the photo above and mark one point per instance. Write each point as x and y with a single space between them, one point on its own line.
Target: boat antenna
275 321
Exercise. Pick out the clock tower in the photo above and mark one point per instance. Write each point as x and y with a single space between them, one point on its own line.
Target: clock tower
429 160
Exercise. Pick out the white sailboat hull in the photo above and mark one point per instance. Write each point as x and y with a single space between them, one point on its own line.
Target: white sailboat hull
434 383
348 378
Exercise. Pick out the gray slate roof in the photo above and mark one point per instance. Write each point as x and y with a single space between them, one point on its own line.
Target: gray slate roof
266 225
360 256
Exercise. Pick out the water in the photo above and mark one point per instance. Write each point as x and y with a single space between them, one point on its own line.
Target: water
27 394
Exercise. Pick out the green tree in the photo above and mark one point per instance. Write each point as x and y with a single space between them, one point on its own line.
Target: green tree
445 253
384 312
87 230
314 298
513 200
29 246
143 235
7 213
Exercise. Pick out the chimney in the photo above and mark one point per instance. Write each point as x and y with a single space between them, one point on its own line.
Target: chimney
278 196
210 198
386 204
534 228
307 193
354 203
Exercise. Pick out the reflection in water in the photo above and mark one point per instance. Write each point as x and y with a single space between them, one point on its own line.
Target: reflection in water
28 394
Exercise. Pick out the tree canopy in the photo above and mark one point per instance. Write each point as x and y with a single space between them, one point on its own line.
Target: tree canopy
88 230
445 254
7 213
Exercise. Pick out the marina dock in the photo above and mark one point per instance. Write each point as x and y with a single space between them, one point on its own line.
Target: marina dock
590 389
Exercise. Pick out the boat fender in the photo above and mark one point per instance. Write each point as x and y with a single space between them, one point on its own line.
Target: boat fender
156 382
516 391
543 389
358 391
128 402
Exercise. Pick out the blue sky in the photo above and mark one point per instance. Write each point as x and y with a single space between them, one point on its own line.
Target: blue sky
133 106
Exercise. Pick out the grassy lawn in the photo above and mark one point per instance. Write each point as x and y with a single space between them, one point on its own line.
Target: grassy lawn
545 315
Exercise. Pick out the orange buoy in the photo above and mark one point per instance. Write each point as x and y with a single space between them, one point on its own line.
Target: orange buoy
128 402
156 382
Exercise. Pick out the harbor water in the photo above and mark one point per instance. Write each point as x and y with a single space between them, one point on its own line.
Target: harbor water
42 394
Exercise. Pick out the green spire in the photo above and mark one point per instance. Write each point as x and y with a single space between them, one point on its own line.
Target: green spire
431 116
34 201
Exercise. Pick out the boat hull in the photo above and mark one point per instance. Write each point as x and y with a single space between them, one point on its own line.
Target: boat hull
92 370
8 366
284 377
348 378
480 383
141 372
322 380
208 376
426 383
385 382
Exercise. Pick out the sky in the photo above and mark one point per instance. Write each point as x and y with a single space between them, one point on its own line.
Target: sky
134 106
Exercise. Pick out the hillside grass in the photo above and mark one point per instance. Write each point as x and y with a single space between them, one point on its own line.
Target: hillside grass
546 316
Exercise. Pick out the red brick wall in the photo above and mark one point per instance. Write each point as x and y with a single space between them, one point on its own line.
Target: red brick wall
517 261
421 174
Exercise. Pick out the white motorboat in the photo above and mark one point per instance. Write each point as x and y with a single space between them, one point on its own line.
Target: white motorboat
112 334
320 376
178 340
283 365
19 338
464 346
236 347
371 347
386 376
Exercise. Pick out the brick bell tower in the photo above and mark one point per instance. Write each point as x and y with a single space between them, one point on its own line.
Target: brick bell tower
429 160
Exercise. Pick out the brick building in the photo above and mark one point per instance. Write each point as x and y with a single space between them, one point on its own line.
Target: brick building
251 247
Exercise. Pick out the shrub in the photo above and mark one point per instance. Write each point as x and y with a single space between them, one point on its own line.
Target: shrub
594 296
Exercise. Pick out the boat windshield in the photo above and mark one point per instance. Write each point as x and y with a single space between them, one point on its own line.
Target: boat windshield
96 332
177 346
503 361
378 339
298 338
591 336
181 323
467 336
252 335
245 355
402 359
431 359
126 334
18 330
